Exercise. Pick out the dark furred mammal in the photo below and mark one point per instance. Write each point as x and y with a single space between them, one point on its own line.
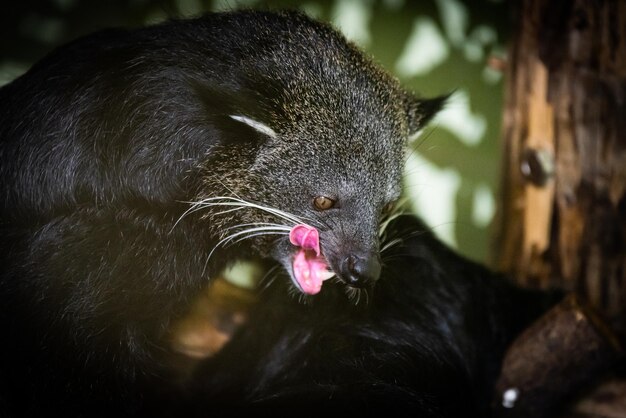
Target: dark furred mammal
104 143
427 344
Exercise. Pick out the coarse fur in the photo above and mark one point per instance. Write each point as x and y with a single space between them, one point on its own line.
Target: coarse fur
136 164
428 343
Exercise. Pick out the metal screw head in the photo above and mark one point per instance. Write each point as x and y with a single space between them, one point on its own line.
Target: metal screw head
537 166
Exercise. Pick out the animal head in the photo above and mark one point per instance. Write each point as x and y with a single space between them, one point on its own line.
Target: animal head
314 133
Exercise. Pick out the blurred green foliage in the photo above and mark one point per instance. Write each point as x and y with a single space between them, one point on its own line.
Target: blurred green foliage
433 46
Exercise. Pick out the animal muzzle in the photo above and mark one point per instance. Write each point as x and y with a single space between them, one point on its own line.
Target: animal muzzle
359 270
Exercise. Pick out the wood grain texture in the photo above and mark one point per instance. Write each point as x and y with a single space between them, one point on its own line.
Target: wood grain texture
562 214
566 98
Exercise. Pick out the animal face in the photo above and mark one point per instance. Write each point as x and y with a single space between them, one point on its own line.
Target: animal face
312 132
337 177
335 165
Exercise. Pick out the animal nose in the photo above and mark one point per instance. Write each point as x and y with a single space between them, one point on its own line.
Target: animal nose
358 271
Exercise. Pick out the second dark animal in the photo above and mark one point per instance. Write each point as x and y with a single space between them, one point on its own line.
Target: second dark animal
428 343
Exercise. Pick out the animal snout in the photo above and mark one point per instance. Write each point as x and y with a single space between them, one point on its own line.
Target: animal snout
360 271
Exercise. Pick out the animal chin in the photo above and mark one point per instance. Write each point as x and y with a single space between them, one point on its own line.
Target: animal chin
310 271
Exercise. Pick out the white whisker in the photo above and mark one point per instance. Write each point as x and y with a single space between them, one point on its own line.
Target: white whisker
391 244
269 277
219 201
354 295
262 230
232 204
277 226
397 211
367 296
258 234
223 212
232 201
250 230
236 204
193 208
385 223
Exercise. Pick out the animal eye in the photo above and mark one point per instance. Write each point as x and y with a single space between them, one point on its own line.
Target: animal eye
323 203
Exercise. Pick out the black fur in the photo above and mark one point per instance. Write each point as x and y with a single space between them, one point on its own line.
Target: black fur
427 344
104 143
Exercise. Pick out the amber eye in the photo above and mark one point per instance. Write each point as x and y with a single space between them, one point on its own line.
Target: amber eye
323 203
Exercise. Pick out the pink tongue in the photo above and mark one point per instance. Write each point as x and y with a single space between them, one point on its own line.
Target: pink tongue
309 268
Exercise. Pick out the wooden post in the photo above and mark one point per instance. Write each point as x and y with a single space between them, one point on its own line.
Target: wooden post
562 220
562 217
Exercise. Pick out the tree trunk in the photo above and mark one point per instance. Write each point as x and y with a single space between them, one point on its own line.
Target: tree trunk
562 217
563 212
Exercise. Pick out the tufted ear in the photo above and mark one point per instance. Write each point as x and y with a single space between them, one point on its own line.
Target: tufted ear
259 126
420 111
235 113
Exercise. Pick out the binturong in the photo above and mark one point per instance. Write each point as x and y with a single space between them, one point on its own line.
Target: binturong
137 164
320 133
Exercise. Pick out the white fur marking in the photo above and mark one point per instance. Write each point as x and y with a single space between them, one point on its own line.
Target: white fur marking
261 127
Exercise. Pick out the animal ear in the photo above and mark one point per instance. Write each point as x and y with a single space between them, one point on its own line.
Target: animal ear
236 114
258 126
420 111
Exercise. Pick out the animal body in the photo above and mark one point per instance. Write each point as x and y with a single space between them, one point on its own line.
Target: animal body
136 164
428 342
